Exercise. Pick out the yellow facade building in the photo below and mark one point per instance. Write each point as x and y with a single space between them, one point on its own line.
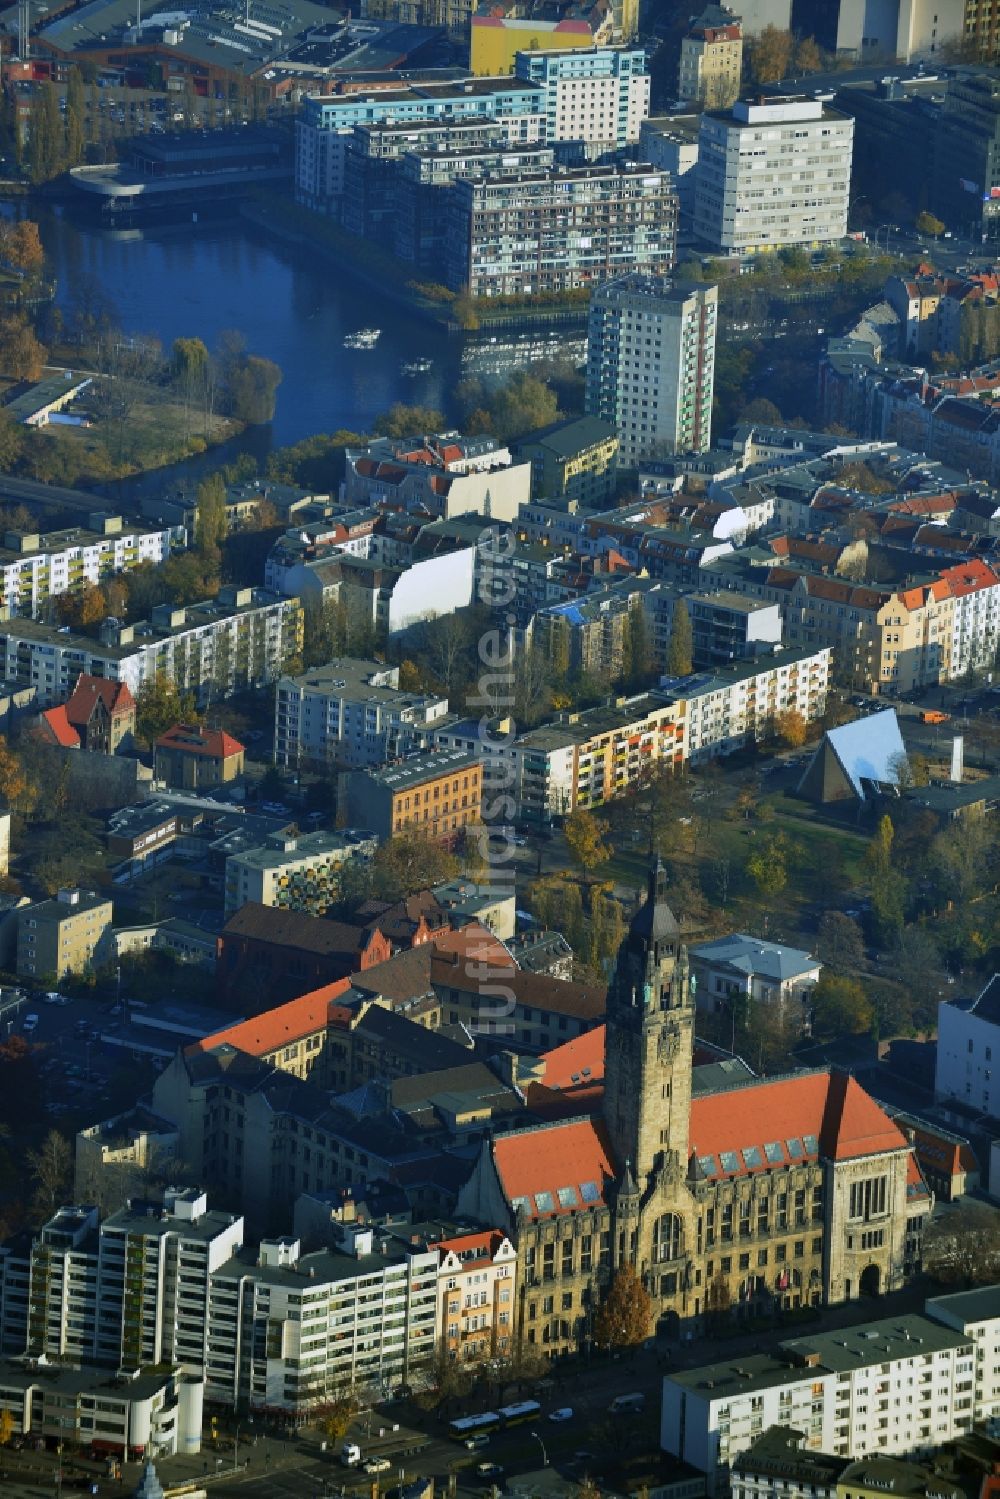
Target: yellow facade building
496 40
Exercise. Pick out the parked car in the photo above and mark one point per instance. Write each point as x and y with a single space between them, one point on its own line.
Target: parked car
377 1465
564 1413
30 1023
489 1470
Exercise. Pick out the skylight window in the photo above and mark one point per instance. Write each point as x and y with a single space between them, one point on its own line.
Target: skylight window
707 1165
794 1146
544 1202
774 1152
752 1157
730 1162
589 1192
811 1144
567 1197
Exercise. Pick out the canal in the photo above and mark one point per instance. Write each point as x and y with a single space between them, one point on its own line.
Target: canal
197 279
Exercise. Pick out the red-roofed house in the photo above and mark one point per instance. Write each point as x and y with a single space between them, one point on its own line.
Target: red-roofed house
786 1192
98 716
476 1294
292 1036
192 758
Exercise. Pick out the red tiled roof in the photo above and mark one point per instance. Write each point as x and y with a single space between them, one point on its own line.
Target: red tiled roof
474 942
915 1184
938 504
968 577
60 727
192 739
280 1026
576 1065
823 1114
574 1157
473 1248
114 695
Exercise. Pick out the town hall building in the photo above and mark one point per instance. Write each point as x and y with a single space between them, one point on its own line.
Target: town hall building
790 1191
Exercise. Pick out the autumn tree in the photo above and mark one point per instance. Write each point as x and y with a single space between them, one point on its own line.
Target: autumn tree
51 1169
637 655
767 865
624 1316
408 421
888 888
770 54
159 704
840 943
928 224
584 835
74 139
83 607
791 728
6 1427
808 57
839 1007
22 246
45 136
680 648
16 786
210 524
337 1410
22 356
252 389
409 862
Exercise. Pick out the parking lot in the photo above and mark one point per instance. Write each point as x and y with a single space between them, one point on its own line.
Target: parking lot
77 1070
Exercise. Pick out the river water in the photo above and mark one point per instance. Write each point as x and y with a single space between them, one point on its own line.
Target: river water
199 279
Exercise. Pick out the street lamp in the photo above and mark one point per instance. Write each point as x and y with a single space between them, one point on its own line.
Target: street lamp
545 1455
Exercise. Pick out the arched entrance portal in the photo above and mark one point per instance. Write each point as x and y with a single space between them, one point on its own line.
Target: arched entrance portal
870 1281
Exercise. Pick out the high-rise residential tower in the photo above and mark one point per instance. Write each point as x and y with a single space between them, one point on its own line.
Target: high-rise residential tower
651 365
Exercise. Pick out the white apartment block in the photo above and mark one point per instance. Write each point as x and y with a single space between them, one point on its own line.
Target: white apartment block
36 567
269 1327
975 591
967 1070
596 95
976 1315
773 174
241 638
651 365
894 1387
728 712
290 1330
299 873
130 1293
351 713
324 125
586 759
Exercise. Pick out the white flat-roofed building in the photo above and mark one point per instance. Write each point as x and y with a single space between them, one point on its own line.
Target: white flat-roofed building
241 638
772 174
351 713
38 566
737 707
902 1385
598 95
651 365
976 1314
288 1330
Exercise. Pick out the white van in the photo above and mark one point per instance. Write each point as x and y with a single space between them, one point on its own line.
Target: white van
622 1404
